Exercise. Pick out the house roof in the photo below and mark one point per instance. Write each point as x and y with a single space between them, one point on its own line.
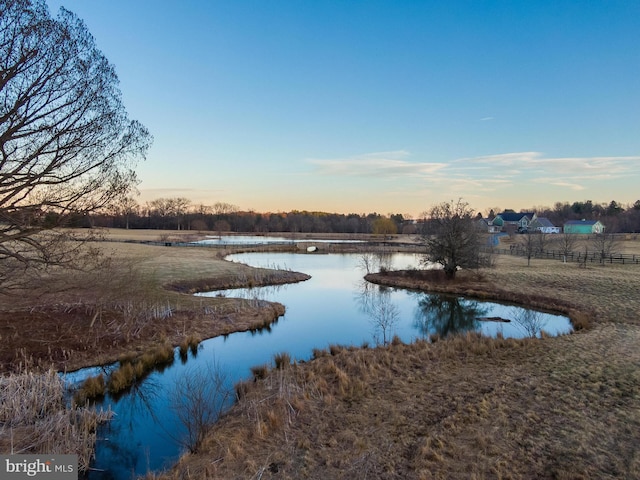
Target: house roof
543 222
581 222
514 217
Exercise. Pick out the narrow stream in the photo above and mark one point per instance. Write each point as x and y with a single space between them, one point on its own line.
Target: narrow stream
334 307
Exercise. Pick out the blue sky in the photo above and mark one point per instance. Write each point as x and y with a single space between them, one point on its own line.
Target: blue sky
386 106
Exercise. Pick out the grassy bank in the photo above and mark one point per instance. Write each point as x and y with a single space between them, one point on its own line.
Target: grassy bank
135 300
468 407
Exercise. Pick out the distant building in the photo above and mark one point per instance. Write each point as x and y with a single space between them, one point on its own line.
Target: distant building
583 226
487 225
543 225
511 221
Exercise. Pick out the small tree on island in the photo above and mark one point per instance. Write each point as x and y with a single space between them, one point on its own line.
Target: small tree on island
452 237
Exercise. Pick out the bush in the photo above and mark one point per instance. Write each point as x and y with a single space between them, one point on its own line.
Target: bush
260 371
282 360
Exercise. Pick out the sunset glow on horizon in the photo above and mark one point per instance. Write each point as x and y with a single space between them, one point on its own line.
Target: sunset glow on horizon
358 107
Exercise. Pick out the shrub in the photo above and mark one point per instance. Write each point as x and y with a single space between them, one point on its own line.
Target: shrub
92 387
260 371
121 379
335 349
282 360
319 353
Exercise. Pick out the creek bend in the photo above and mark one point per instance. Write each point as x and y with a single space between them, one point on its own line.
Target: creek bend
336 306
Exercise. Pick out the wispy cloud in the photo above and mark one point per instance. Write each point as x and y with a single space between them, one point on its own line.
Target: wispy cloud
556 182
379 164
573 173
582 166
483 175
486 119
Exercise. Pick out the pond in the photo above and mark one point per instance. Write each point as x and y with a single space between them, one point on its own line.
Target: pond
336 306
264 240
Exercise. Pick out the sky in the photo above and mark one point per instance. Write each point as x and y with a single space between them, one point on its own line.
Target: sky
379 106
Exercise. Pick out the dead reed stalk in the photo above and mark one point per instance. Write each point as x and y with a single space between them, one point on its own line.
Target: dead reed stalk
35 418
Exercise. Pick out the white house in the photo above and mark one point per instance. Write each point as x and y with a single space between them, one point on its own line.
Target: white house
543 225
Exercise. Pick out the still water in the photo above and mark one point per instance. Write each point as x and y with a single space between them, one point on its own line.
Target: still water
334 307
265 240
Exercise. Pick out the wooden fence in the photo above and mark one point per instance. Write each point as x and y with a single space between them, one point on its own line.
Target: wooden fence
579 257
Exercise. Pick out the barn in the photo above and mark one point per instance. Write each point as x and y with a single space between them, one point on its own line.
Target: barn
583 226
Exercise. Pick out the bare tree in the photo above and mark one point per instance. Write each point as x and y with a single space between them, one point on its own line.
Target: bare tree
222 208
605 244
542 241
170 210
452 237
199 397
67 146
567 243
126 206
181 207
528 244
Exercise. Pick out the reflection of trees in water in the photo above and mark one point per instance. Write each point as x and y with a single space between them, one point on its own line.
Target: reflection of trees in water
117 447
206 391
198 398
445 315
255 294
529 321
376 302
370 262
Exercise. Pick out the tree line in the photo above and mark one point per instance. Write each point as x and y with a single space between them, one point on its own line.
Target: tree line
616 217
179 213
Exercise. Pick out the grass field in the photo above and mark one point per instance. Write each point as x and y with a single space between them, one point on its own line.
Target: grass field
469 407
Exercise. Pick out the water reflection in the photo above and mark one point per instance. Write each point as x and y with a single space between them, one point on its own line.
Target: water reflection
264 240
336 306
530 322
119 443
444 315
197 399
370 262
384 314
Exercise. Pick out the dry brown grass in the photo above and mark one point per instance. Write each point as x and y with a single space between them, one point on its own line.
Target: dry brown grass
466 407
34 418
133 302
